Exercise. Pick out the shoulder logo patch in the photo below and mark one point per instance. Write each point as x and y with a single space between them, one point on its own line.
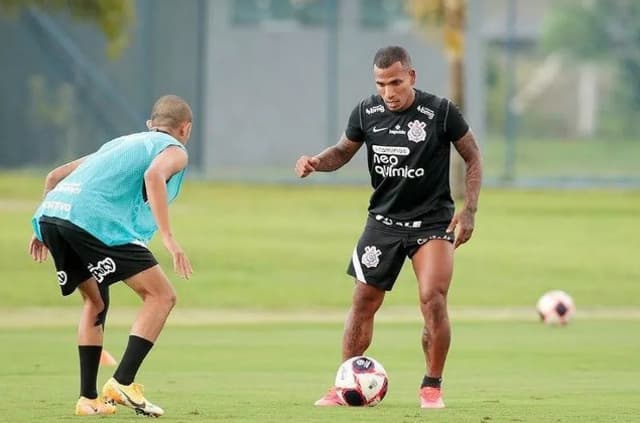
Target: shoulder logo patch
375 109
426 111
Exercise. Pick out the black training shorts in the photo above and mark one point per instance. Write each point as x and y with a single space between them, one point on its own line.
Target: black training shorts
383 247
78 256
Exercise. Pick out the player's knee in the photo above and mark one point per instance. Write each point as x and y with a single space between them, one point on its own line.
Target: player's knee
167 300
95 305
101 317
433 295
366 306
172 299
434 304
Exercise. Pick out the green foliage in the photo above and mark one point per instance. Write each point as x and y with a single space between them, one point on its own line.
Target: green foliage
602 30
112 17
577 30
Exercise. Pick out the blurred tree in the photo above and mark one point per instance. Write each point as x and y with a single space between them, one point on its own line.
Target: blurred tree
112 17
600 31
448 17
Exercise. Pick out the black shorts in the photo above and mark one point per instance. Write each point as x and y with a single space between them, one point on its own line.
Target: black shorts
78 256
382 249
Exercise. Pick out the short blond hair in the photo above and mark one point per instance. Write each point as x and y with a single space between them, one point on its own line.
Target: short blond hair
171 111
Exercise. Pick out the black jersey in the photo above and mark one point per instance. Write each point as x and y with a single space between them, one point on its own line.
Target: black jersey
408 157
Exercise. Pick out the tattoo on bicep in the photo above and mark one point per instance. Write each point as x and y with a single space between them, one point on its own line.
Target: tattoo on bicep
467 146
338 155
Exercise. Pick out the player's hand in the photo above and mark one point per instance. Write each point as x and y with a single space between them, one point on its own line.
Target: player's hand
181 263
464 220
37 249
306 165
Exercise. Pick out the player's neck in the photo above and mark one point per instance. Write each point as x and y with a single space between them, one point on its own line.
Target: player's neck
161 129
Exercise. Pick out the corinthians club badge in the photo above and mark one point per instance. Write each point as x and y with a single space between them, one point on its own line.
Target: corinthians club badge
416 131
370 258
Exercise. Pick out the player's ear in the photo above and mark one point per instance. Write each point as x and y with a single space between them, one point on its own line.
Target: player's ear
412 75
185 130
149 124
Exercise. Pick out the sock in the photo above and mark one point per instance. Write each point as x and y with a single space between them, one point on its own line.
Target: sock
89 362
137 350
433 382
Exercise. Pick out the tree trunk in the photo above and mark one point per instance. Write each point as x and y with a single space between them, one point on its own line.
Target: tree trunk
456 88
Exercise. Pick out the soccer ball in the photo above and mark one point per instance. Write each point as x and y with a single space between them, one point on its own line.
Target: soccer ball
361 381
556 307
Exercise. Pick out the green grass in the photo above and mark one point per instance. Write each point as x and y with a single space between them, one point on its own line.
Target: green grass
287 247
281 251
497 372
562 158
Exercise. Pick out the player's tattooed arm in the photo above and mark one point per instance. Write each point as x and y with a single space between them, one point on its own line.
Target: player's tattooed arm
464 220
329 160
470 152
336 156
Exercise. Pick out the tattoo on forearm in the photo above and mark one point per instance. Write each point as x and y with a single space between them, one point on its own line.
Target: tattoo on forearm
470 152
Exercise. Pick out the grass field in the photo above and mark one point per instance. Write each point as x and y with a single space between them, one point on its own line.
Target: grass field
497 372
255 336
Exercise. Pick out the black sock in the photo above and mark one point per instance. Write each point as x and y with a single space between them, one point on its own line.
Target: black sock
89 362
137 350
433 382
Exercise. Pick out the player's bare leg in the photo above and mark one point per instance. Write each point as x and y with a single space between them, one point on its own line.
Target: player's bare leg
358 331
90 336
358 328
88 332
158 297
433 266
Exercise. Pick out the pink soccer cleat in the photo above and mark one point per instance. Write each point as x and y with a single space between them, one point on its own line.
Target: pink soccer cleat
431 397
330 399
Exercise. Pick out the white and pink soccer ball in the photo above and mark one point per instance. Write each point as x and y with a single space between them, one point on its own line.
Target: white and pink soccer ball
556 308
361 381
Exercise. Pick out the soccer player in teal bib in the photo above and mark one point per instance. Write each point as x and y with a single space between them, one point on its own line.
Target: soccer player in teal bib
98 214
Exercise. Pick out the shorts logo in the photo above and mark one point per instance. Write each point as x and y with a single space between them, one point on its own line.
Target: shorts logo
371 255
102 269
62 278
416 131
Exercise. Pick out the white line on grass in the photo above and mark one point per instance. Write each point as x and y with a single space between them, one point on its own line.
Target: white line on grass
56 316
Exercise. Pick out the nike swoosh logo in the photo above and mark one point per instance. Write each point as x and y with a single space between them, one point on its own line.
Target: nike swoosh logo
375 130
132 402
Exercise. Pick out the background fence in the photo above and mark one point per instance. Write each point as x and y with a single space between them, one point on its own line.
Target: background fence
272 79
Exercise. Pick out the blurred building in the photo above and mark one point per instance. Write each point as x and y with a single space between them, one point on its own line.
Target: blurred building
272 79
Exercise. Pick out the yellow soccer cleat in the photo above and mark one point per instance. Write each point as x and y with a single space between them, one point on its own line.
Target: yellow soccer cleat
130 396
90 407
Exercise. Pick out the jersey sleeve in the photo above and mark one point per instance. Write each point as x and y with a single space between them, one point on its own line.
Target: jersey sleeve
454 126
354 130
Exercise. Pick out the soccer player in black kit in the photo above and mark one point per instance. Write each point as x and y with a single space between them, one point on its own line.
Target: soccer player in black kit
408 134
